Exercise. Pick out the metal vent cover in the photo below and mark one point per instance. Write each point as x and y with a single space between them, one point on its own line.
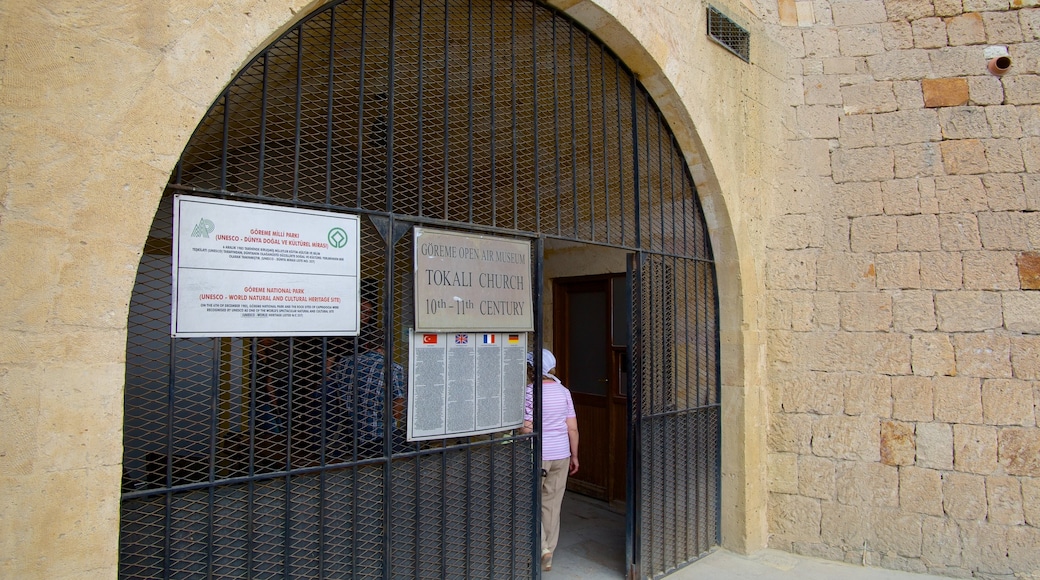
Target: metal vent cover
729 34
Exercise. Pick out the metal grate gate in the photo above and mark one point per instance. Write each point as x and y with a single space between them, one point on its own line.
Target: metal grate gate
674 469
482 115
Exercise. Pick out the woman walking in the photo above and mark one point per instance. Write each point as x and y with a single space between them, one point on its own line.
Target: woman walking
559 447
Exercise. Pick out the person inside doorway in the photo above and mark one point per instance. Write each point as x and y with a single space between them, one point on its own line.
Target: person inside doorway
559 446
272 367
356 396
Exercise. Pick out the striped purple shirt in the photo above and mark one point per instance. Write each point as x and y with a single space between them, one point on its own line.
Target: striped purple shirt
557 406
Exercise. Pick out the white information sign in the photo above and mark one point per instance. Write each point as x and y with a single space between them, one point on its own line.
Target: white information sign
472 282
465 383
244 269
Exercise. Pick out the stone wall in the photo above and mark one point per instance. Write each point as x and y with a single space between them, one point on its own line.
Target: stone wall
902 277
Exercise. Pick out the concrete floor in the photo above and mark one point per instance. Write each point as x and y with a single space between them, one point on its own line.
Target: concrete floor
592 541
592 545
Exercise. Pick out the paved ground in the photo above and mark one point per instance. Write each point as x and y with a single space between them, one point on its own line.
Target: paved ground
777 565
592 545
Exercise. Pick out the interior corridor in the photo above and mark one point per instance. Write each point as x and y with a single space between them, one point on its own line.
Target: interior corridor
592 540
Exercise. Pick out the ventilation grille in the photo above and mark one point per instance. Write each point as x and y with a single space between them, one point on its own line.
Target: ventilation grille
729 34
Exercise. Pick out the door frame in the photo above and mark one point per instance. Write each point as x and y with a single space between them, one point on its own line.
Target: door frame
616 392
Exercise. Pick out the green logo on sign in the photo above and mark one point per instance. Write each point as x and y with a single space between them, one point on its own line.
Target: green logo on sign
203 229
337 237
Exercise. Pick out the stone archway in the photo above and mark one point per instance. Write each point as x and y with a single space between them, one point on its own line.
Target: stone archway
482 116
652 55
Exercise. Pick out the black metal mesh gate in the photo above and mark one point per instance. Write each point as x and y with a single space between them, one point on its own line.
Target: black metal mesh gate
674 435
481 115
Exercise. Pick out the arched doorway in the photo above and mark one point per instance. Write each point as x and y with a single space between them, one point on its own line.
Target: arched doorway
478 116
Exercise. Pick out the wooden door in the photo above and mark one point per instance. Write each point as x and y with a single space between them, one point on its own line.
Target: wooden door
590 331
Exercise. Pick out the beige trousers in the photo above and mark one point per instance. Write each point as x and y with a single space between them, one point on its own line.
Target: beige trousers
554 483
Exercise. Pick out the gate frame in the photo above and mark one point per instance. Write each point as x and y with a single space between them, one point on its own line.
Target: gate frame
736 430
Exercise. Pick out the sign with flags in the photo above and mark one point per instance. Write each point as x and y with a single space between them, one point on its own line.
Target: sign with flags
462 384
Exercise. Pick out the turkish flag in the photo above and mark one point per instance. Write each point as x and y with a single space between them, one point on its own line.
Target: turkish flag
429 339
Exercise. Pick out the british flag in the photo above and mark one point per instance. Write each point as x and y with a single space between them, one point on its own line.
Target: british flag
461 339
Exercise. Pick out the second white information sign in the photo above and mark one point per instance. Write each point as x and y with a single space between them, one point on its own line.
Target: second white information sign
465 383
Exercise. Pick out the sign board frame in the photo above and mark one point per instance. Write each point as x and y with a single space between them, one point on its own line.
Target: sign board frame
462 384
247 269
471 282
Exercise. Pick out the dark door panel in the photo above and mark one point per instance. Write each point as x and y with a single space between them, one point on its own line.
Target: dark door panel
587 330
594 425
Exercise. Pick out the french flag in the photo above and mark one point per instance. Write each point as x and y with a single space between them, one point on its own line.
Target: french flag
489 339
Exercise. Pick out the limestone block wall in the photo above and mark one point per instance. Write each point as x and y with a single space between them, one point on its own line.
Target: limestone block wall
903 298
